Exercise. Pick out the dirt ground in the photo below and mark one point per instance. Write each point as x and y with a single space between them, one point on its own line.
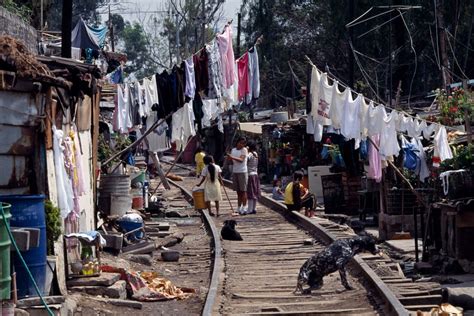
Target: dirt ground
191 271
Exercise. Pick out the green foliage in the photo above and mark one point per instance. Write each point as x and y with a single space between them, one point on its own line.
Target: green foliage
53 225
21 10
106 149
294 28
463 158
137 50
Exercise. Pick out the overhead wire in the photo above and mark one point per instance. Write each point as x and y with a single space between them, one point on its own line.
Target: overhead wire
414 52
455 59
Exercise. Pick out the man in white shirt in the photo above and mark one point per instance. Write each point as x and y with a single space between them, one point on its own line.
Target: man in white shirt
238 156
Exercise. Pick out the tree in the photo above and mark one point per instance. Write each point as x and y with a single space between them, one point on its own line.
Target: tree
295 28
136 47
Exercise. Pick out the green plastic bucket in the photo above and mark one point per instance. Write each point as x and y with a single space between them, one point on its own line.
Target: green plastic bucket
5 278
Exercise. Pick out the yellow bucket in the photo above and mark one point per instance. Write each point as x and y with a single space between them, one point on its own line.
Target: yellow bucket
198 198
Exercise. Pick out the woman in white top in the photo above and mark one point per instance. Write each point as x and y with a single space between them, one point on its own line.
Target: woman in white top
253 185
211 174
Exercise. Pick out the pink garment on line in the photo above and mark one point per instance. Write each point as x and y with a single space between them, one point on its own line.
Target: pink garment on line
243 69
226 51
375 163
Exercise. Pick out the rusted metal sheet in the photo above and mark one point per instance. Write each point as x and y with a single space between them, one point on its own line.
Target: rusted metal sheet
14 172
16 140
18 109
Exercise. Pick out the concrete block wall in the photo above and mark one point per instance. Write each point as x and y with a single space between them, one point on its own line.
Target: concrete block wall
12 25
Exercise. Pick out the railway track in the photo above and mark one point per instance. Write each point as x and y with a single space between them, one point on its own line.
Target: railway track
257 276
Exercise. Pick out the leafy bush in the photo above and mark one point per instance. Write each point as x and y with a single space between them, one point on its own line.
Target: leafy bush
53 225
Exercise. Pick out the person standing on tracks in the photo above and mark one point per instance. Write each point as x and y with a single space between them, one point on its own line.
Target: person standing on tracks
211 174
238 156
199 159
253 185
297 196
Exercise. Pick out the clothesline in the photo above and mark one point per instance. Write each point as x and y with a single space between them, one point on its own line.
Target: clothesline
257 42
332 77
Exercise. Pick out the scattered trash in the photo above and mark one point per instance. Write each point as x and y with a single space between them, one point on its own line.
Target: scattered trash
148 286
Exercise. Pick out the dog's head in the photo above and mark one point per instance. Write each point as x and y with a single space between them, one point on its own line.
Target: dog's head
366 243
230 223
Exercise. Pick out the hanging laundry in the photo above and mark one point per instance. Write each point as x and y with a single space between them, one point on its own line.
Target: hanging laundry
143 110
325 101
178 86
336 110
122 119
376 119
211 111
63 182
79 175
375 163
254 76
388 138
422 169
350 126
314 90
442 151
410 155
226 51
308 91
190 78
231 95
116 77
134 105
197 111
309 125
429 130
165 93
157 141
215 71
201 71
182 126
151 93
364 118
243 73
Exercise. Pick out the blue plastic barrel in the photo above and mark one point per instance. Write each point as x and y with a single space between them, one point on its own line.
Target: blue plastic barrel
129 226
29 211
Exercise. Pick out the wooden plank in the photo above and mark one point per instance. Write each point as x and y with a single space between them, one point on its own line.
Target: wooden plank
49 119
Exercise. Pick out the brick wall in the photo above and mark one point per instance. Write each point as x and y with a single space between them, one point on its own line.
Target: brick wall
11 25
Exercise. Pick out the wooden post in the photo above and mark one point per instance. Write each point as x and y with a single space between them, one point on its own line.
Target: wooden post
156 160
49 119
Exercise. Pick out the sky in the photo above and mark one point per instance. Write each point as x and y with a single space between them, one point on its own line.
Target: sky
231 7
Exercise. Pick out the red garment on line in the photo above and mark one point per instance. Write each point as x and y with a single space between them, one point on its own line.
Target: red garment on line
243 73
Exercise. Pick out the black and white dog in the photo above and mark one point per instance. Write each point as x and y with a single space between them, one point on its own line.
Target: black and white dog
228 231
329 260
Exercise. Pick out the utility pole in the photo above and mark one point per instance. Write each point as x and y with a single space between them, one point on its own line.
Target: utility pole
239 17
111 31
66 28
177 37
203 17
447 80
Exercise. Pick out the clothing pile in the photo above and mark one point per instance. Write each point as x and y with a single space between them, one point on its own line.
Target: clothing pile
356 119
197 91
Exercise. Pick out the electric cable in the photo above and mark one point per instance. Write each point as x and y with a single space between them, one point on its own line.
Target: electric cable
414 52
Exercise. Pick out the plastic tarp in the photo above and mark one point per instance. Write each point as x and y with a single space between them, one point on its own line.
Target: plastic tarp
84 36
